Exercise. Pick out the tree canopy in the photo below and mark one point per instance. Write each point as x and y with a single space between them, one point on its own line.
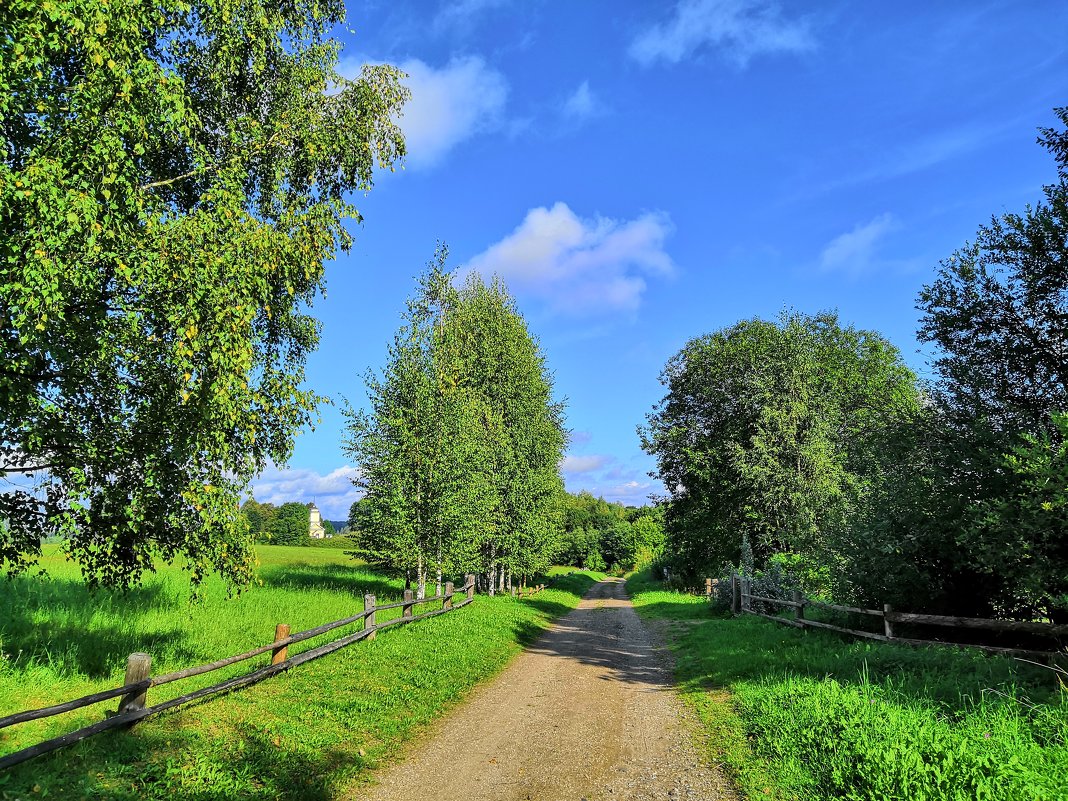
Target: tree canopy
990 477
768 430
172 178
459 451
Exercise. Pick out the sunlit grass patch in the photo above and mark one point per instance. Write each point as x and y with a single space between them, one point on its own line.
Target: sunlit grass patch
811 715
308 733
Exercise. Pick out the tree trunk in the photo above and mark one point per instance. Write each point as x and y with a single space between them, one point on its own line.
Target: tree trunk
438 573
421 578
509 582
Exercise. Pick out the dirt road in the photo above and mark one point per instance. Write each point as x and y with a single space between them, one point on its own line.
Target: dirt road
587 712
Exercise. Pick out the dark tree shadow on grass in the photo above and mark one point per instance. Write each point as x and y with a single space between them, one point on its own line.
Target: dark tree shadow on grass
357 580
78 645
180 766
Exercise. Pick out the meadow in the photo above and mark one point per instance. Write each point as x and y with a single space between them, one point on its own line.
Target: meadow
811 715
309 733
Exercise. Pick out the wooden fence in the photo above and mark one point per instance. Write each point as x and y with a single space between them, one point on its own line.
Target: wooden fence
134 707
742 602
526 592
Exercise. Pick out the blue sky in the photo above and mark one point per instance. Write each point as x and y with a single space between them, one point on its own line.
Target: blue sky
642 173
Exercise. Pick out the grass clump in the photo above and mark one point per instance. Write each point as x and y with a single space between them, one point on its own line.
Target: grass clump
810 715
310 733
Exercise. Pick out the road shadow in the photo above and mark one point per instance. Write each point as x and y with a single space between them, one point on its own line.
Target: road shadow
605 632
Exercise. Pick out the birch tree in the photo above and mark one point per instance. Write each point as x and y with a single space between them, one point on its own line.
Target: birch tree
173 177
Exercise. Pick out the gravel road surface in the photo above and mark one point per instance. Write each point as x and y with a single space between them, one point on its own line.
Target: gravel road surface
587 712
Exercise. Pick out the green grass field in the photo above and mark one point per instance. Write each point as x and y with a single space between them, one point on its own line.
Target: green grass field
810 715
308 734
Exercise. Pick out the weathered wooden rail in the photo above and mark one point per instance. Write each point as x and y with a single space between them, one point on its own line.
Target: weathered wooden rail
526 592
742 599
134 707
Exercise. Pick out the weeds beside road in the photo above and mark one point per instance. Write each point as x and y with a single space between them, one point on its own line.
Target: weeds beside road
808 715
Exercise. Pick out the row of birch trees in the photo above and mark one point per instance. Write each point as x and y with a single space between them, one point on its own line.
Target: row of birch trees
458 453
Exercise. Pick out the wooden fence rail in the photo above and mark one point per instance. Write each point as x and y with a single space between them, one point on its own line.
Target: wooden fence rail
742 598
138 682
526 592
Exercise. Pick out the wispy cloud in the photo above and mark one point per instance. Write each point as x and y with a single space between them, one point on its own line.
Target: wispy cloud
463 14
631 493
449 105
583 464
916 155
333 492
580 437
738 29
582 104
580 266
854 252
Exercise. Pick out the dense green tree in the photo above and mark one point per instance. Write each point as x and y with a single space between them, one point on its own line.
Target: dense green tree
597 532
986 534
172 178
768 429
290 525
259 517
419 448
520 428
460 449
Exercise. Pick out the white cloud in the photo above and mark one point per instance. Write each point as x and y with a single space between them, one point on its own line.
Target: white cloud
583 464
582 104
740 29
853 252
333 493
580 266
448 106
630 493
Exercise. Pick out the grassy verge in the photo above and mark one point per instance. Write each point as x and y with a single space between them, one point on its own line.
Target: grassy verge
307 734
809 715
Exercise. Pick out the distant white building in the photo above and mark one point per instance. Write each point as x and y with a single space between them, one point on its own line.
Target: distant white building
315 523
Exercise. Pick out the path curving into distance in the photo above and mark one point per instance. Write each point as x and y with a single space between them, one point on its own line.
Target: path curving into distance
586 712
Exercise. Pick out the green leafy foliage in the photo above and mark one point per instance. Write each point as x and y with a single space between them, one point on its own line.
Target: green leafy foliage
459 452
973 518
771 430
597 534
289 525
172 179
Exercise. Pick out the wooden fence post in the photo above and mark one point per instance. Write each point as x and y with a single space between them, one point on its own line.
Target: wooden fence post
708 588
138 666
281 631
369 615
747 588
447 601
799 611
736 594
888 627
469 583
406 610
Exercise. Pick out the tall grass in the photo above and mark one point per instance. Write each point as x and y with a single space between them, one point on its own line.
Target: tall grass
306 734
809 715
